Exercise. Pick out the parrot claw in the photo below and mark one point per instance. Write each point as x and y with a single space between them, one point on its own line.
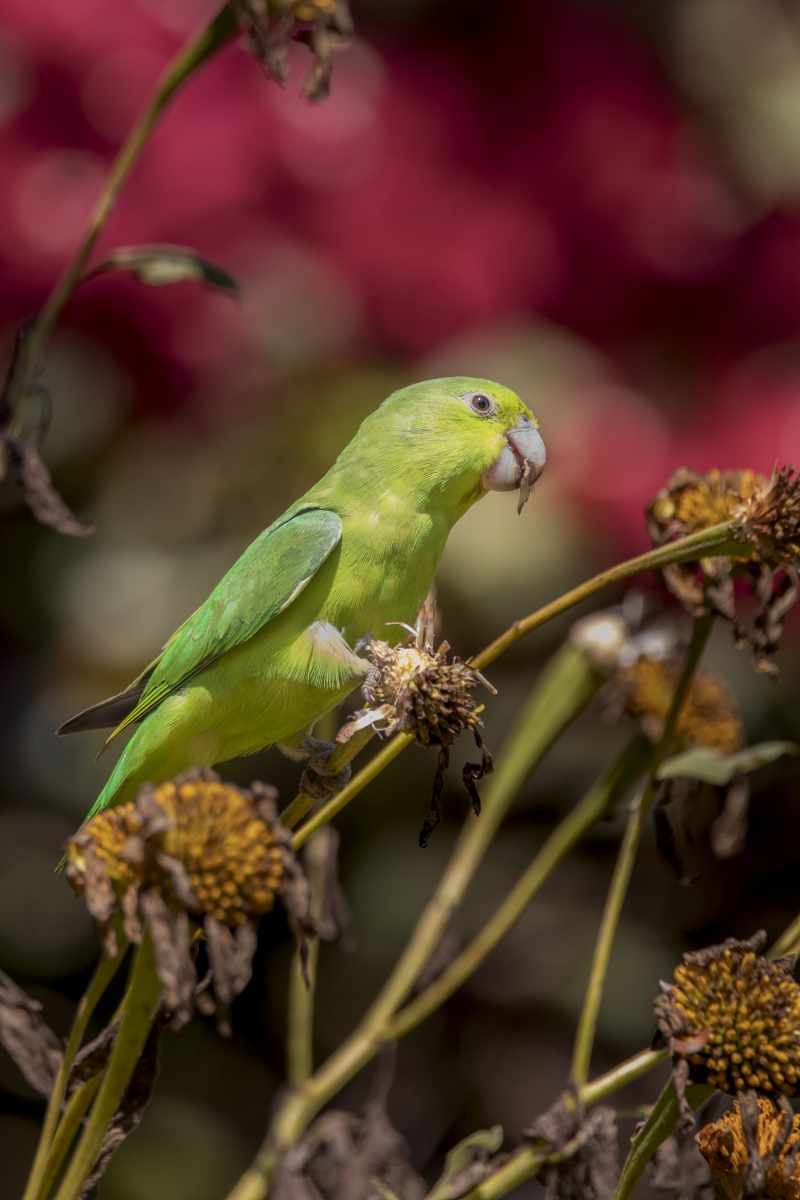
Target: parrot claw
317 780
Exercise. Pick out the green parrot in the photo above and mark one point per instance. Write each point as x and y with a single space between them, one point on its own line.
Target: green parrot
277 642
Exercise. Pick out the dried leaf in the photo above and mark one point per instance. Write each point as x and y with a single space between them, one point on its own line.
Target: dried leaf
33 478
29 1041
710 766
170 934
92 1058
159 266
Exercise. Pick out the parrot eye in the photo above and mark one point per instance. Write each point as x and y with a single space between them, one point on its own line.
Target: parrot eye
480 403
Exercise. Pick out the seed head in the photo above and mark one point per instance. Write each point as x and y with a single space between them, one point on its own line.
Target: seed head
734 1016
724 1147
231 856
413 688
194 846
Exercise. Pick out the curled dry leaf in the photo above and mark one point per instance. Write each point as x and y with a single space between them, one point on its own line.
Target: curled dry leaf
28 1040
160 266
342 1154
584 1154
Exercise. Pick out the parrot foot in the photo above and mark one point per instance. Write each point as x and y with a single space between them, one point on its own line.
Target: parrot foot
318 781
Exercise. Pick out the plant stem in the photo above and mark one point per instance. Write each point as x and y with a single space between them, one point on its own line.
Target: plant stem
717 539
591 808
188 59
662 1122
74 1112
100 980
141 1004
788 942
300 1016
587 1026
565 686
530 1159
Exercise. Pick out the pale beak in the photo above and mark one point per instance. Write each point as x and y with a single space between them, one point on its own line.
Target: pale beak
519 464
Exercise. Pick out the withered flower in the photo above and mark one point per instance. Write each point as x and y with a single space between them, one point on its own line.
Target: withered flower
732 1019
415 689
325 26
766 520
709 716
723 1144
193 847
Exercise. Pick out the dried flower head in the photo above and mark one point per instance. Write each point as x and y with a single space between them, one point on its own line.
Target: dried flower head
766 520
709 716
413 688
325 26
193 846
724 1147
734 1017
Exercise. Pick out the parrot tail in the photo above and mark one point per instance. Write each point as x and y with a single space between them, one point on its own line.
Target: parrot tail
105 715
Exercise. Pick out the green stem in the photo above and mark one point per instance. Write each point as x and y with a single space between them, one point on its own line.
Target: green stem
662 1122
74 1112
140 1008
100 980
188 59
717 540
590 809
530 1159
563 689
300 1016
640 807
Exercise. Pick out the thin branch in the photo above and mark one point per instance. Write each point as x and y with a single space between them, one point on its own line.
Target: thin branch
303 979
188 59
584 1039
103 974
590 809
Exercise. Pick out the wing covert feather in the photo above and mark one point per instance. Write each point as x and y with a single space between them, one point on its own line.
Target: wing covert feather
270 574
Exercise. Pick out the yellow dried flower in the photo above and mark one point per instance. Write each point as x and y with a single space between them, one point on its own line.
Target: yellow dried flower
724 1147
231 855
193 846
734 1017
709 716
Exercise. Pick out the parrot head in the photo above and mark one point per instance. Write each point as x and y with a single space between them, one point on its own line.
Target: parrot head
477 429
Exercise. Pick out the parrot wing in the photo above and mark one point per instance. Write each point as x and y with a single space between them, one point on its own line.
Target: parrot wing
259 586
